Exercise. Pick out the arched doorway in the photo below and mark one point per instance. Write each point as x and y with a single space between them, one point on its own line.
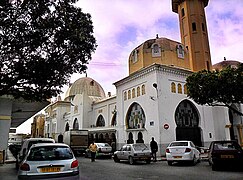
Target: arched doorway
75 124
130 139
60 138
187 121
140 138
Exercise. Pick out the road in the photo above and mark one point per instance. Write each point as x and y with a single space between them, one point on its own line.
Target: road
107 169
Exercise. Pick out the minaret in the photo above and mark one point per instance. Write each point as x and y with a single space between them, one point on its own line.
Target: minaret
194 34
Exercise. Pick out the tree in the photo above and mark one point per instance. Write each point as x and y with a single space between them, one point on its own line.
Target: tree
42 43
217 88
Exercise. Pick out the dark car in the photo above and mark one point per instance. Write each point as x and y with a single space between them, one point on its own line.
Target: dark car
225 154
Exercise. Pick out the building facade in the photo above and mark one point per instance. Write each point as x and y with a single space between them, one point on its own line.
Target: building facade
152 100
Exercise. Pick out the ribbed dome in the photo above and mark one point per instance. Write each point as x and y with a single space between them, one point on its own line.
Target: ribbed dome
223 64
87 86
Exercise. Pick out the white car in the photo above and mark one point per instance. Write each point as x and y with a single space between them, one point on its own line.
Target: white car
49 160
179 151
26 146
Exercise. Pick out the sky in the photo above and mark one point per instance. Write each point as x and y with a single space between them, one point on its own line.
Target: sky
122 25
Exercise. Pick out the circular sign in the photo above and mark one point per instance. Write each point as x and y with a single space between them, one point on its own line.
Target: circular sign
166 126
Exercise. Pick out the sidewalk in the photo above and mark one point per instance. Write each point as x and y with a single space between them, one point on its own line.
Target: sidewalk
7 170
9 157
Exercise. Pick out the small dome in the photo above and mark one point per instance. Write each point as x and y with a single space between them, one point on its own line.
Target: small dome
223 64
87 86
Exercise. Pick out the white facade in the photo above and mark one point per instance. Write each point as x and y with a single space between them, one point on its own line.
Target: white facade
151 92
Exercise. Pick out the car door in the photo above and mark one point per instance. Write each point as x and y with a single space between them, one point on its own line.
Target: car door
127 153
120 153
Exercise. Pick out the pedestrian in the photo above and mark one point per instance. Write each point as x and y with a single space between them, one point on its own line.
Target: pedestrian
93 149
154 149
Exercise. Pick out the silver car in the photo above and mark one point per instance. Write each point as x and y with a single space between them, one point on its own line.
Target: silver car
49 160
103 150
132 153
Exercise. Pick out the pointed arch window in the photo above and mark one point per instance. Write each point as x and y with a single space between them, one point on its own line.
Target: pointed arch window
173 87
100 121
67 127
186 115
75 124
135 118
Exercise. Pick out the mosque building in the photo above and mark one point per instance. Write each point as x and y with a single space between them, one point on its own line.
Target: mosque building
152 100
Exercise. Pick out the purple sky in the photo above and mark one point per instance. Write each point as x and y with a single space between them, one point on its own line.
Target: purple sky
122 25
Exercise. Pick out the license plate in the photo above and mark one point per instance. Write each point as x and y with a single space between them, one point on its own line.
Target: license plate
177 157
227 156
50 169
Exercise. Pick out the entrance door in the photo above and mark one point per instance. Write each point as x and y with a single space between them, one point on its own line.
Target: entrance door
187 121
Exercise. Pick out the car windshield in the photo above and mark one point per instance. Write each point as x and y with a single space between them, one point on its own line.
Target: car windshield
179 144
103 145
226 146
46 153
140 147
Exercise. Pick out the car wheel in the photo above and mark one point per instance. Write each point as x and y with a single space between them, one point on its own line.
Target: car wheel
169 163
131 161
148 161
116 158
194 160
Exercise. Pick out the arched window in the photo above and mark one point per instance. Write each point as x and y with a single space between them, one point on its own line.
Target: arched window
113 121
186 115
75 124
129 94
125 96
173 87
185 89
143 89
135 55
138 91
179 88
156 51
67 127
133 93
135 118
180 51
100 121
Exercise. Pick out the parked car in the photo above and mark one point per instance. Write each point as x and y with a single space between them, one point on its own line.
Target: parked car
49 160
103 150
132 153
182 151
26 146
225 153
